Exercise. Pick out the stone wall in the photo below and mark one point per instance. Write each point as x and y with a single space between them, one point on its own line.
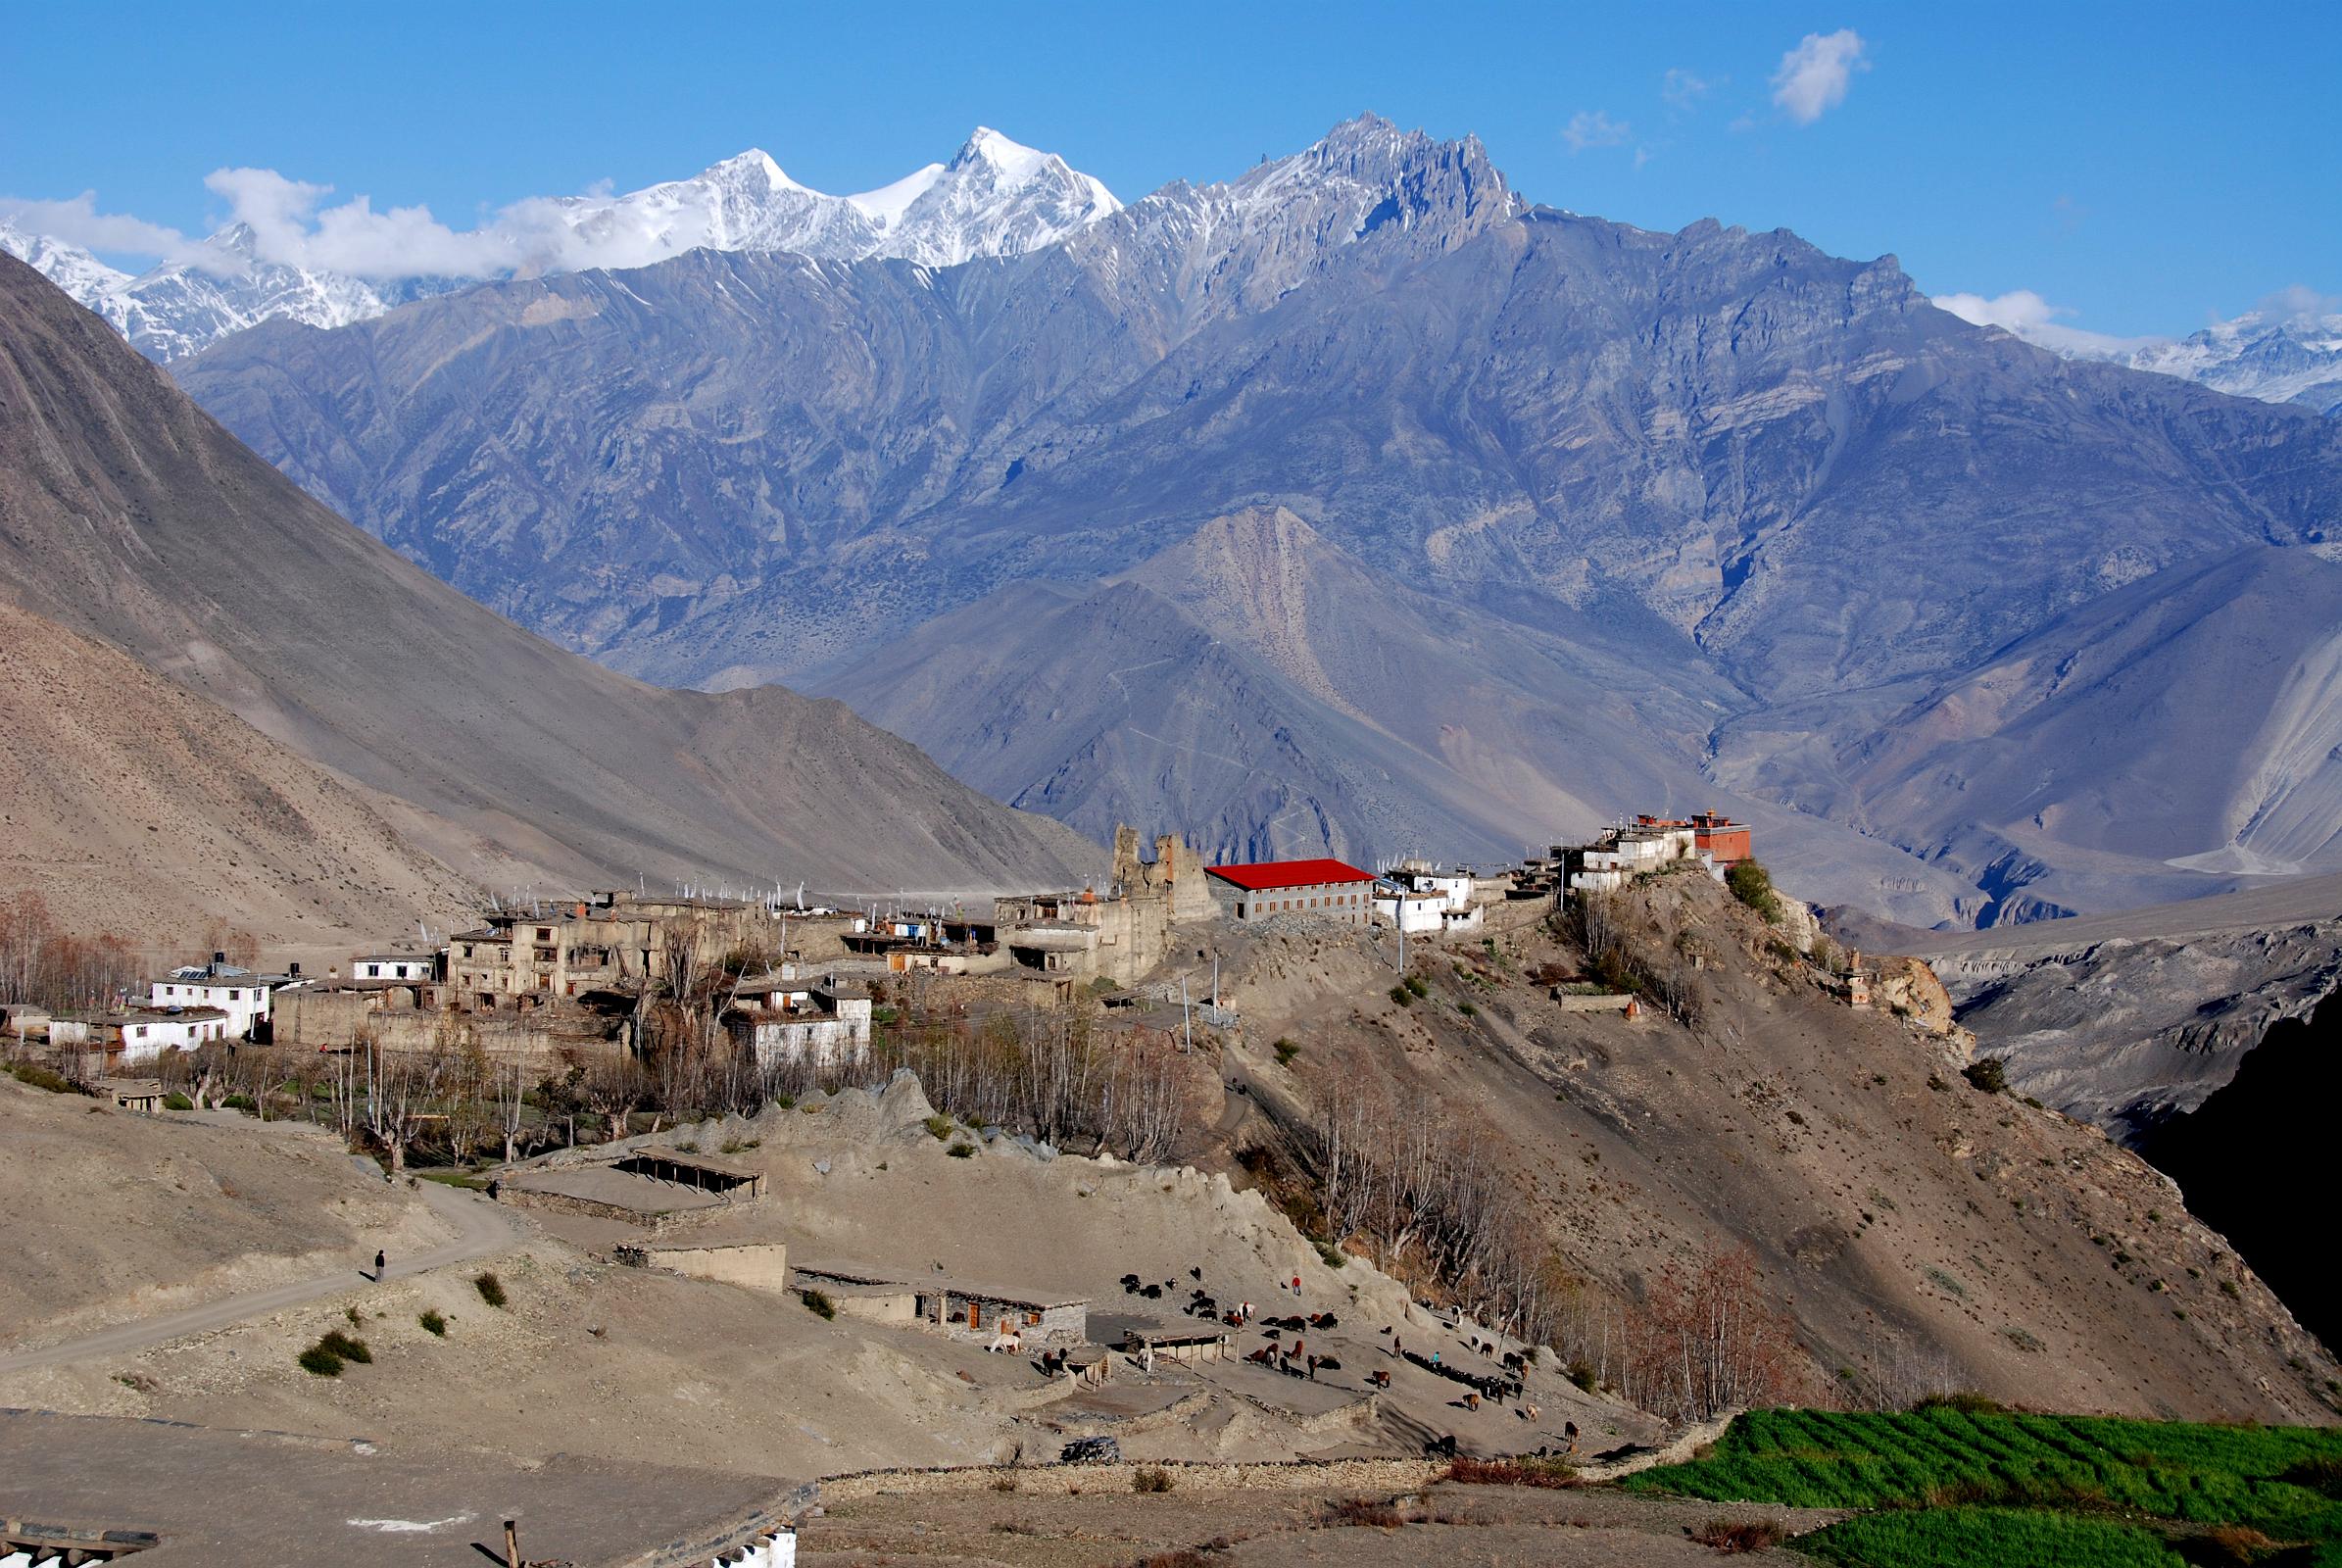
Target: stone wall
758 1266
1300 1475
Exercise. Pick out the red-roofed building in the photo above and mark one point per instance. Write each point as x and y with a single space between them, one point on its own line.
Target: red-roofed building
1329 890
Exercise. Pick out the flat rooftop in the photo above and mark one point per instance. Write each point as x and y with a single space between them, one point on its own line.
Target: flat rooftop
266 1499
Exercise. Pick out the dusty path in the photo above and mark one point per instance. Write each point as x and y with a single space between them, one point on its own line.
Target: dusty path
482 1228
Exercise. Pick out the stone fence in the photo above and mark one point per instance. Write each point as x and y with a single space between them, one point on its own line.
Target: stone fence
1296 1475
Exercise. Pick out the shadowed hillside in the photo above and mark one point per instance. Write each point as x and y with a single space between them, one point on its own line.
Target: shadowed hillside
127 515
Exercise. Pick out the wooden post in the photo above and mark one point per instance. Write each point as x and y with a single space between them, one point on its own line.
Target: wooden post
512 1544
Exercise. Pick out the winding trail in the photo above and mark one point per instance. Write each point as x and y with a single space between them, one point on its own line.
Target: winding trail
482 1228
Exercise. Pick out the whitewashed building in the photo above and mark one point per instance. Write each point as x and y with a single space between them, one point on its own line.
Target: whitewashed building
409 968
781 1019
145 1036
1415 913
241 995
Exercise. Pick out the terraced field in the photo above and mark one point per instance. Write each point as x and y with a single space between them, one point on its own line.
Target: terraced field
1953 1485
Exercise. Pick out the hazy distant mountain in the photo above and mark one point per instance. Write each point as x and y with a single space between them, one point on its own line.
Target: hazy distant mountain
993 198
2276 356
129 518
1582 514
2289 351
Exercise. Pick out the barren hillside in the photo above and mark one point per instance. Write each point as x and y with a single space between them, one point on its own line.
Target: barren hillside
590 1357
114 1215
138 806
1914 1224
128 517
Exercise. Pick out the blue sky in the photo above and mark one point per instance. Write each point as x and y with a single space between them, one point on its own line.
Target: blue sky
2145 166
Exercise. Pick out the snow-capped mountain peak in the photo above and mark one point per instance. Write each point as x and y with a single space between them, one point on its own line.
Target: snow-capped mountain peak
996 197
1012 158
886 205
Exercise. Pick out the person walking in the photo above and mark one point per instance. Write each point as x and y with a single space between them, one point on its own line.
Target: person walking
380 1263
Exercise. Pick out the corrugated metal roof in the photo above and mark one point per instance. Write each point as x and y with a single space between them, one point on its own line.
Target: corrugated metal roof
1269 874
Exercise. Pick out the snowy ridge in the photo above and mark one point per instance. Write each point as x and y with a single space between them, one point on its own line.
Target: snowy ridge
996 197
2289 351
2275 358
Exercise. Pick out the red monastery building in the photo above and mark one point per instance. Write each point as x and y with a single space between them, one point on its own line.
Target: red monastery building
1330 890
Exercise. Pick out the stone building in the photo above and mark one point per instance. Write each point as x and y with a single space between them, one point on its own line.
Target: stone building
779 1018
607 943
1322 889
1118 935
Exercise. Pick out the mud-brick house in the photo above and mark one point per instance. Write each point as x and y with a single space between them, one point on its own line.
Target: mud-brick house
611 942
780 1019
968 1312
1326 889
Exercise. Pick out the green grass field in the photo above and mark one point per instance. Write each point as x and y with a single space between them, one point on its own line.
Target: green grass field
1955 1488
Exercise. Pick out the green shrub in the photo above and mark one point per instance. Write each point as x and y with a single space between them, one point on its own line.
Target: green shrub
1582 1373
175 1101
1467 1009
1335 1256
433 1325
939 1127
1964 1401
1988 1073
491 1289
1752 885
961 1150
41 1077
1286 1050
819 1304
317 1362
1152 1480
1416 985
1402 996
337 1343
787 1101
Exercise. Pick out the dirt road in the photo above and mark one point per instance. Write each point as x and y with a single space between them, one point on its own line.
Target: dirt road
482 1228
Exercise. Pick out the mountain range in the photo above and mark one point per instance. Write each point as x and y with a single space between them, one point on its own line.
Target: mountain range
2289 351
993 198
1359 504
265 697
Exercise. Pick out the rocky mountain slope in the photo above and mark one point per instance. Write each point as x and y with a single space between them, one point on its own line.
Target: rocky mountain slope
1915 1226
139 808
993 198
1796 499
2128 1019
129 518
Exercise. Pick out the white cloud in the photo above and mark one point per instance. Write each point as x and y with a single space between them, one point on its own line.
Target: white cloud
77 222
1683 90
293 225
1593 128
291 228
1814 76
2033 319
2299 303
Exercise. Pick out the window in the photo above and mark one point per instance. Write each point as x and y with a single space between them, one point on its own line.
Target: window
373 970
544 933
